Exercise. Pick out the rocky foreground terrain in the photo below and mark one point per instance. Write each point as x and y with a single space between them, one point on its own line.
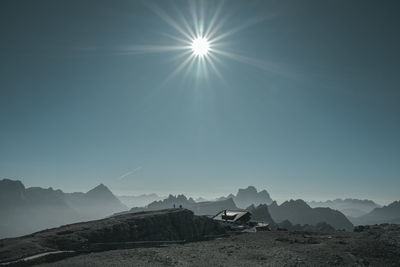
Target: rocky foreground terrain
375 246
123 231
134 240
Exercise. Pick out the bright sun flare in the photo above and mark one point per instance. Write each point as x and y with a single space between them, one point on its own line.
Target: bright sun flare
200 46
199 39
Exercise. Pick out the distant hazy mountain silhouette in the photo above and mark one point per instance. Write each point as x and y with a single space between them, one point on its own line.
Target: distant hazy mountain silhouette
298 212
199 208
386 214
349 207
139 201
249 196
96 203
25 210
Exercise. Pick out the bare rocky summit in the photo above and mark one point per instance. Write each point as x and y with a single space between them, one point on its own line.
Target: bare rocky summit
114 232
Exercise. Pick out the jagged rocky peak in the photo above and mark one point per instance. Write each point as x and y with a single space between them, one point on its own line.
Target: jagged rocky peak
250 190
11 191
274 204
7 185
298 203
246 197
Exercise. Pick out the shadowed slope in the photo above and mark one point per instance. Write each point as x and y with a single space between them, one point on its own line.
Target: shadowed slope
165 225
298 212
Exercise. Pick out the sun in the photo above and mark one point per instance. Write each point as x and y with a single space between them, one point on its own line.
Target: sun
200 46
201 39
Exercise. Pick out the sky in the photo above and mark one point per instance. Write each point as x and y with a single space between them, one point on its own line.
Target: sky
302 99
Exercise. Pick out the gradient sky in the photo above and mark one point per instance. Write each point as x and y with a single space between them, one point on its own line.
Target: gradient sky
321 121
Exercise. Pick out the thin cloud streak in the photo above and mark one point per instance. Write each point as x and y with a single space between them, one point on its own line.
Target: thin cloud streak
131 173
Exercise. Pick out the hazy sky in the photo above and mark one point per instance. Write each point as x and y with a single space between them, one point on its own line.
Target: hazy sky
307 105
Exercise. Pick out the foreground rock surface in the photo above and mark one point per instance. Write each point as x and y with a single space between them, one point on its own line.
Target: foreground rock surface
164 225
372 246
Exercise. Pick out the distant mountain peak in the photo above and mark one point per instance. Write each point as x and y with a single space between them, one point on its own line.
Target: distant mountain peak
12 183
100 187
247 196
38 208
299 212
394 204
298 203
101 192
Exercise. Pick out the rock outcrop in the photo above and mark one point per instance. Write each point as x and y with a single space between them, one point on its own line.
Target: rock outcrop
114 232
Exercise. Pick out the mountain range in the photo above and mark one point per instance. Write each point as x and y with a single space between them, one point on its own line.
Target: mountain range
249 196
385 214
298 212
349 206
199 208
26 210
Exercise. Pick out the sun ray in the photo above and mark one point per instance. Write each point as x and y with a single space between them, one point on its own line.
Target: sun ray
202 18
193 11
164 16
261 64
237 29
190 67
185 22
179 68
213 19
184 41
219 24
215 69
137 49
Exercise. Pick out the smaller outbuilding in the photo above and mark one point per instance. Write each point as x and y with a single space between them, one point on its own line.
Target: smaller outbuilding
232 216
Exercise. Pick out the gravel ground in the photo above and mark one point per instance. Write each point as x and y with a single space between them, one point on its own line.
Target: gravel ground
276 248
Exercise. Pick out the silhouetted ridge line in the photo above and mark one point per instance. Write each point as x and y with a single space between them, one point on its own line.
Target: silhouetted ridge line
25 210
